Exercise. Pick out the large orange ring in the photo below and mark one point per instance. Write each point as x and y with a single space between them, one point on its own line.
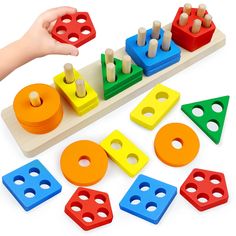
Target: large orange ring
170 155
77 174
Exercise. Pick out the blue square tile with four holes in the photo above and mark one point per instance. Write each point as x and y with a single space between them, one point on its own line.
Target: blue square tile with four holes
148 198
162 60
31 184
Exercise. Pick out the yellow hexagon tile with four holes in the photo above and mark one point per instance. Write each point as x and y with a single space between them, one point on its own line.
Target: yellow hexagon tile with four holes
124 153
151 110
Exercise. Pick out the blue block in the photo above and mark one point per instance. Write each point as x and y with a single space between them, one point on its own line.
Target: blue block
31 184
148 198
162 60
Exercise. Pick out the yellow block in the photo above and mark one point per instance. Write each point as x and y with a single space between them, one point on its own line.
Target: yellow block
68 91
124 153
154 106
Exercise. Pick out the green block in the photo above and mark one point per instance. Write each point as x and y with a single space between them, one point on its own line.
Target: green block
123 81
212 110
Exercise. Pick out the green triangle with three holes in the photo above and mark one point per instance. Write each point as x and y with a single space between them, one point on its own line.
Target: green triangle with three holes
212 110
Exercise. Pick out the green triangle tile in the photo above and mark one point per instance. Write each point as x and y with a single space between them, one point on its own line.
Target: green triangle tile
123 81
208 115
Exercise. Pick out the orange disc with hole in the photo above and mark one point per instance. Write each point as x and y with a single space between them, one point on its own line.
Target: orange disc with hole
186 138
43 118
87 151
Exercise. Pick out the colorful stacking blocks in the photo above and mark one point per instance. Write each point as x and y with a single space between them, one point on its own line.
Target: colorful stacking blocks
160 60
154 106
89 208
70 89
148 198
124 153
192 29
122 80
209 116
31 184
205 189
76 29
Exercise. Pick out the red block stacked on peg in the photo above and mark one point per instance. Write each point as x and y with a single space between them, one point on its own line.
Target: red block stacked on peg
192 28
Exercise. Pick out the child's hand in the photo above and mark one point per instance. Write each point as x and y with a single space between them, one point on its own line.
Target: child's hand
39 40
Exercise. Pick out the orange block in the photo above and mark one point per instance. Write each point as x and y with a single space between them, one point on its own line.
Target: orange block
173 155
88 152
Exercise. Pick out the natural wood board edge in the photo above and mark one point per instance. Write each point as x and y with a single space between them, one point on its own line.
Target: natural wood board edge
32 145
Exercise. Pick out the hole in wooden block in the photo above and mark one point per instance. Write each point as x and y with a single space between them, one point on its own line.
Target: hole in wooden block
162 96
116 144
213 126
61 30
198 111
45 184
73 37
81 19
191 187
76 206
148 111
135 200
84 161
132 159
19 180
177 143
85 30
29 193
66 19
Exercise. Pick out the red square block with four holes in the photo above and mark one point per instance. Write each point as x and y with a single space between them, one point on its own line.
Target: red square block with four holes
89 208
76 29
205 189
183 36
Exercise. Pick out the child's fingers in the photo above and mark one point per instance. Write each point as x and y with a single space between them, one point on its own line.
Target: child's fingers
65 49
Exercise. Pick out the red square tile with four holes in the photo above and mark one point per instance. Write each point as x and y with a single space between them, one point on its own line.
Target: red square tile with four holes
76 29
89 208
205 189
193 28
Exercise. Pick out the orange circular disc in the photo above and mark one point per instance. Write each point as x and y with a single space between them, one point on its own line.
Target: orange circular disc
92 155
167 150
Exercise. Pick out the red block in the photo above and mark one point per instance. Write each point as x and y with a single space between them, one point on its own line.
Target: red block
89 208
183 36
76 29
205 189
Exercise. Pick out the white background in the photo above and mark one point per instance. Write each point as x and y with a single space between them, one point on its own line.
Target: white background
212 77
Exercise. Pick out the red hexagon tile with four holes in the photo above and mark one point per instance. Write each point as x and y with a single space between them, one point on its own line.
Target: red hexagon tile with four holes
205 189
89 208
76 29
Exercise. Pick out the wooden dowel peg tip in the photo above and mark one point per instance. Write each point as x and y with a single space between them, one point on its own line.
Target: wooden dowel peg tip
69 73
201 10
183 19
35 99
196 26
126 64
141 41
80 88
207 21
152 49
187 8
166 41
111 72
109 56
156 29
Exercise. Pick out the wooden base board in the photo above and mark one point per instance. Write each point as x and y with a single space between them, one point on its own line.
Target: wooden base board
32 145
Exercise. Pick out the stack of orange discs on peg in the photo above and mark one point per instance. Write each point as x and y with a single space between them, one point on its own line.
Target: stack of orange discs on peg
38 108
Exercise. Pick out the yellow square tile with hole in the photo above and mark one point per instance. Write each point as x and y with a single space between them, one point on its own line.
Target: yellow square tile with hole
154 106
124 153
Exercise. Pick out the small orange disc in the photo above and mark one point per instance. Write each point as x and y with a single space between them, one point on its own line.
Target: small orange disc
84 150
173 155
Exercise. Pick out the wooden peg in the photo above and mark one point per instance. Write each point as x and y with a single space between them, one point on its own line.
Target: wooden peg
201 10
141 36
35 99
187 8
207 21
152 49
183 19
166 40
69 73
196 26
109 56
126 64
156 29
111 72
80 88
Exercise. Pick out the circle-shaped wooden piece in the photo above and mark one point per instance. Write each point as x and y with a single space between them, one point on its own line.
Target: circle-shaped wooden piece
84 175
170 155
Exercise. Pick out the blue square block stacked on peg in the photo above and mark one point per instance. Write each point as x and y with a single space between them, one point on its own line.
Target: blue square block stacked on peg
148 198
31 184
153 50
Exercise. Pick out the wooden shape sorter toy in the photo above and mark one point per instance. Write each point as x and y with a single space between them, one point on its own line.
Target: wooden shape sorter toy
192 27
148 198
32 144
208 115
118 75
205 189
31 184
89 208
176 144
78 93
124 153
76 29
154 106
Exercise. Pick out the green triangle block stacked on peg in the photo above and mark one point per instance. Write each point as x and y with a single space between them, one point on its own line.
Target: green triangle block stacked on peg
208 115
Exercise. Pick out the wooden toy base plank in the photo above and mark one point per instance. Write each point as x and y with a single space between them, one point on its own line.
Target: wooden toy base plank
32 145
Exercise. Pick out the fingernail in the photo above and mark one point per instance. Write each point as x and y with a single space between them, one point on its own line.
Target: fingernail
75 53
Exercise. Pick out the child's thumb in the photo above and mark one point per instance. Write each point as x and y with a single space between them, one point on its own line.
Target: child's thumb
66 49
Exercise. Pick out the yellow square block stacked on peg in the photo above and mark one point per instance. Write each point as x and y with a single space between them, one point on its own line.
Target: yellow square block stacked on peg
78 93
124 153
154 106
